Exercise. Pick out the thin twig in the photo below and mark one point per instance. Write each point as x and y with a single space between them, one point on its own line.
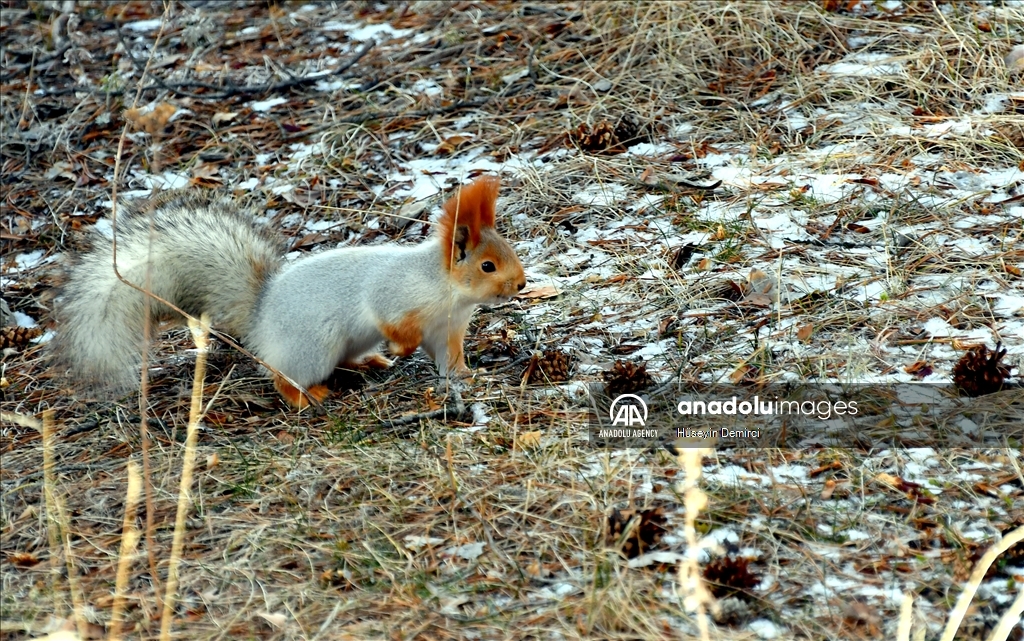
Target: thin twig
454 411
227 91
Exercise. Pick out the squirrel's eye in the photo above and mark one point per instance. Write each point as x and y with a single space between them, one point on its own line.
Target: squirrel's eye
488 266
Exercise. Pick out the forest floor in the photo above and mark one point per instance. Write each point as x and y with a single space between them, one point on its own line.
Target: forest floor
743 194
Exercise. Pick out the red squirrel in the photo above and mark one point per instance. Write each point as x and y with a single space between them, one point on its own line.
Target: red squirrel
303 318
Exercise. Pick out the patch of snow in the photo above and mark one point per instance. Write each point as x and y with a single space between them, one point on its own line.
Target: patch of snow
469 551
649 149
480 415
864 64
363 32
426 87
28 260
414 542
765 629
22 319
267 105
142 26
601 194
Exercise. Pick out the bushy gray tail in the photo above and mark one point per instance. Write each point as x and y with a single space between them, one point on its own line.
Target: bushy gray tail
195 251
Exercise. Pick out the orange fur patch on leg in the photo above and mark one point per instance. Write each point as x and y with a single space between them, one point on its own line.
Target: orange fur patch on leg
404 336
456 359
318 392
376 361
294 396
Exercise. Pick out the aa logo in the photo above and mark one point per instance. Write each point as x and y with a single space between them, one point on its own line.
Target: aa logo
629 412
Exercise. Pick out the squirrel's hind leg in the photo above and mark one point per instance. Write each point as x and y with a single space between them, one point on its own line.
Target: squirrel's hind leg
295 397
375 360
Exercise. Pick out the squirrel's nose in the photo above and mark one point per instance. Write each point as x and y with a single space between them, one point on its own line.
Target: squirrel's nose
521 285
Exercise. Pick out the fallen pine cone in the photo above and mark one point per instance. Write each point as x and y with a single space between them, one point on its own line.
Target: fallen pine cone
645 527
598 139
630 131
626 377
979 371
551 366
18 336
730 577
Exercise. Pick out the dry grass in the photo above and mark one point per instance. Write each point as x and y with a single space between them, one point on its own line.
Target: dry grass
327 526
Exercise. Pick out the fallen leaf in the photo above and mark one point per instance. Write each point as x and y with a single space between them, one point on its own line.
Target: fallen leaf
23 559
276 619
743 373
539 291
428 396
150 120
224 116
803 333
451 144
920 369
760 289
528 440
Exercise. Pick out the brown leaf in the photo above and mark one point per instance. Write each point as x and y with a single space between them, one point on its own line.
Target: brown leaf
23 559
539 291
151 121
803 333
451 144
920 369
528 440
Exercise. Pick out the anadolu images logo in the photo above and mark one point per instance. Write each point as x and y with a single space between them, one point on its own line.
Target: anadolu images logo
628 414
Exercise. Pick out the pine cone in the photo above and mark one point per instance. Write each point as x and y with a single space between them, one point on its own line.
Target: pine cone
979 372
599 139
18 336
730 577
630 131
552 365
626 377
646 527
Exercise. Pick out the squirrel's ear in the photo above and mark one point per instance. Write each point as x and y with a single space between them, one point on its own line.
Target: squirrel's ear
466 213
460 239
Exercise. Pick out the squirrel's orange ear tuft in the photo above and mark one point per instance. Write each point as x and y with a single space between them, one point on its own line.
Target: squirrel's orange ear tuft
472 206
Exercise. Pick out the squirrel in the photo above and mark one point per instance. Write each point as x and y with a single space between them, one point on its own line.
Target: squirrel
203 253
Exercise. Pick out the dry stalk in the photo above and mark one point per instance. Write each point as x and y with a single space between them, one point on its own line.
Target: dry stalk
696 595
144 430
49 495
977 575
77 602
144 383
1009 620
129 541
906 617
200 333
